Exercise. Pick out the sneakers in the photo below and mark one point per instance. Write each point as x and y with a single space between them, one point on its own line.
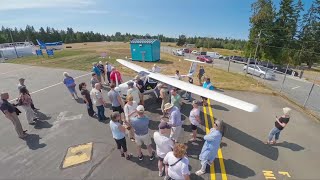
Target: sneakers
200 172
161 172
128 156
122 154
152 156
140 157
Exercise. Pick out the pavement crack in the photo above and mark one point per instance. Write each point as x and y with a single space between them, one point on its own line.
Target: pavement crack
97 165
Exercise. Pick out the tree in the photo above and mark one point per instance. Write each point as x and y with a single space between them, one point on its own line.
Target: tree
261 19
182 40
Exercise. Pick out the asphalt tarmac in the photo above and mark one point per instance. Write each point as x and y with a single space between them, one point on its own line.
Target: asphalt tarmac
64 123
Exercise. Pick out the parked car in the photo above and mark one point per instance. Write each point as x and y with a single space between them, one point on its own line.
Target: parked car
260 71
206 59
237 59
203 53
178 52
266 64
195 52
214 55
251 61
186 50
282 69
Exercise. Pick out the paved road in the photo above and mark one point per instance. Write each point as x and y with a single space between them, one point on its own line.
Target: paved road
295 88
65 123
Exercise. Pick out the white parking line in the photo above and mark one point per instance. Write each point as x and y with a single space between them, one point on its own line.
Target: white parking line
52 86
16 70
295 87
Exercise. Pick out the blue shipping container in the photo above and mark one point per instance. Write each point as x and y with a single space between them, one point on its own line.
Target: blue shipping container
147 50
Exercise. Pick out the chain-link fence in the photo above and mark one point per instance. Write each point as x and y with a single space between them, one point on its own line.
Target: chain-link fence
300 86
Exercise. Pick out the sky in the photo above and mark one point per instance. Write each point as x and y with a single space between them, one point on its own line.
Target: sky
211 18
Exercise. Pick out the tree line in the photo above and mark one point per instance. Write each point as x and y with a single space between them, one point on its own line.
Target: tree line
287 35
49 34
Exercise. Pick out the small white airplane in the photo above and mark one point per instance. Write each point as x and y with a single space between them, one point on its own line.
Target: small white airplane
151 79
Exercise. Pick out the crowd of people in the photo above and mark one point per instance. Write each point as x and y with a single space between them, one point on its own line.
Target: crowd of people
129 117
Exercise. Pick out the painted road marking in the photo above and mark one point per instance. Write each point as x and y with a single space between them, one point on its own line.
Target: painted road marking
212 170
268 175
284 173
77 155
220 156
51 86
16 70
295 87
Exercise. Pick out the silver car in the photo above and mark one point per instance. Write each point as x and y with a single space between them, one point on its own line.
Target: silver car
260 71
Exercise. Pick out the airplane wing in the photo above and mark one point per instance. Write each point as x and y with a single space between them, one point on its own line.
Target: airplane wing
216 96
196 61
132 66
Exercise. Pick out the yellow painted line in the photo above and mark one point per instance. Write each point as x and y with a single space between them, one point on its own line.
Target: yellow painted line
212 171
220 156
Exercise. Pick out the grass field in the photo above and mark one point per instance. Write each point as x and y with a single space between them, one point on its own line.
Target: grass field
82 55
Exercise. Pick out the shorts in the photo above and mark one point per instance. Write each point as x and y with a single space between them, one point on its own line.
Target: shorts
118 109
160 159
72 89
175 132
194 127
121 143
144 139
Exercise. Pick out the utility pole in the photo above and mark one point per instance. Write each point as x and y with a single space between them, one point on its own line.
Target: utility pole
256 51
14 44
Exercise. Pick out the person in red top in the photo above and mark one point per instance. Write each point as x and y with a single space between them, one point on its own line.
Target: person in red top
115 76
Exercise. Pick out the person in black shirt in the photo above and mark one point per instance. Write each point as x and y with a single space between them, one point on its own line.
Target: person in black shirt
140 86
87 99
279 126
11 113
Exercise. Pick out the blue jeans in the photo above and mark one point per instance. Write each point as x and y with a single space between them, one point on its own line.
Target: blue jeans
101 115
274 132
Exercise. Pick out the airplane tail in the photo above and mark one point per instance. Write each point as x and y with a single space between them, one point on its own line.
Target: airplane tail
39 42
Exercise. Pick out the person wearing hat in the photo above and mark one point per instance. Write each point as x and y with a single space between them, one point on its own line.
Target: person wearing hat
207 85
21 85
176 98
174 121
115 76
163 145
279 126
164 95
140 125
115 99
188 94
10 113
211 146
102 71
195 120
133 91
96 70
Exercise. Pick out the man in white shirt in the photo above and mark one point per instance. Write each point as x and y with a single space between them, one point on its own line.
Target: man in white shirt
134 92
98 101
177 75
163 145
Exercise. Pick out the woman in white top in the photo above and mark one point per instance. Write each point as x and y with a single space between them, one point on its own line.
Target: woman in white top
178 163
130 110
195 120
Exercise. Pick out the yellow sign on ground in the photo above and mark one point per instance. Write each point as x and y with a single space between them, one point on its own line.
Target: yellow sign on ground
77 154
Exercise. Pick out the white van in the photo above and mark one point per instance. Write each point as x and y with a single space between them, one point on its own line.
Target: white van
214 55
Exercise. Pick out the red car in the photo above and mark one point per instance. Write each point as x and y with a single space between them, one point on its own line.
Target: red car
206 59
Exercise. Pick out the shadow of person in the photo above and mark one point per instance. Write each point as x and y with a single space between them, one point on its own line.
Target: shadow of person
218 90
291 146
236 169
80 100
146 163
33 142
42 116
42 125
251 142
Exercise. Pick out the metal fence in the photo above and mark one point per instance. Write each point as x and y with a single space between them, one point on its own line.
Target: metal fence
304 90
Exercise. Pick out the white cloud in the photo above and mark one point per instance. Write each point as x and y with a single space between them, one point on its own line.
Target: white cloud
89 11
37 4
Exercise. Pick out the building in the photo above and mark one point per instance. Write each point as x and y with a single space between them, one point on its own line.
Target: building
14 50
145 50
